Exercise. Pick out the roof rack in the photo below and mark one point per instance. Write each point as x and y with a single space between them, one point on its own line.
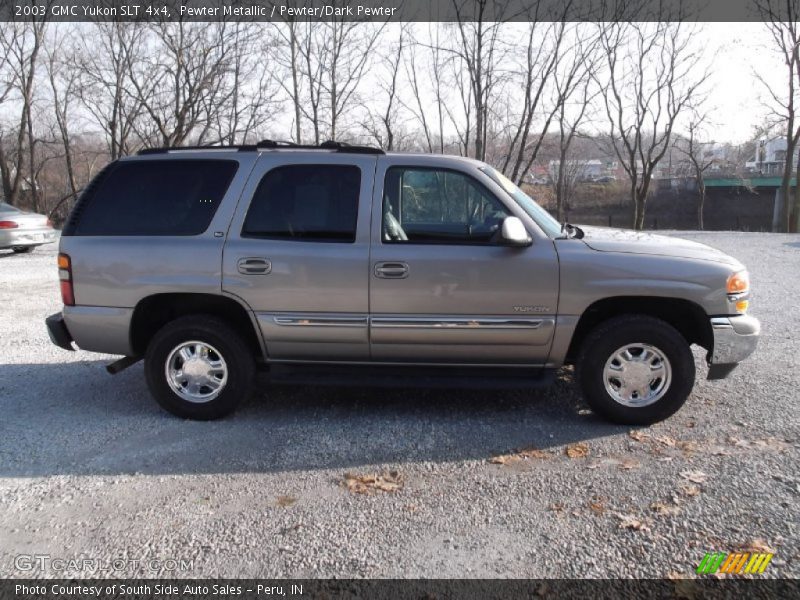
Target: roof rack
273 145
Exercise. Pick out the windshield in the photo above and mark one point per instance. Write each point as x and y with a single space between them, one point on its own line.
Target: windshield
543 218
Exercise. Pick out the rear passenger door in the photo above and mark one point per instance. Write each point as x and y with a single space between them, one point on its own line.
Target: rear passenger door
297 253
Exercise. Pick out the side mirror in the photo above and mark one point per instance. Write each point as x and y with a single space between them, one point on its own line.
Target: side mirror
513 233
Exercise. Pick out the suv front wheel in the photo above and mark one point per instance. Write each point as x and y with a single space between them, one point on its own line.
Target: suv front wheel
197 367
635 370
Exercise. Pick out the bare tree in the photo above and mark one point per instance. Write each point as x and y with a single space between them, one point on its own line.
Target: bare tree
652 76
415 74
288 55
105 62
781 18
699 160
245 99
382 123
478 53
569 117
20 45
188 65
64 75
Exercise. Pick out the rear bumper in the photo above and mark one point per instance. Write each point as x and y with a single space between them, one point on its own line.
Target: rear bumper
10 238
58 332
735 338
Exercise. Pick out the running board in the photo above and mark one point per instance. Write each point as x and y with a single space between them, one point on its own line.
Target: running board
411 377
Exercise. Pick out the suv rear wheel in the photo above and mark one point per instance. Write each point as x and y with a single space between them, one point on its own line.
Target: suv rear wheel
198 367
635 370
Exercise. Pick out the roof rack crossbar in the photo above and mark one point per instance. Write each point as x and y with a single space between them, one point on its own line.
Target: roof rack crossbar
342 147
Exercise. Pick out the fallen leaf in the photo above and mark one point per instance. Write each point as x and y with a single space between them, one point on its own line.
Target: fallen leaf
666 440
631 522
579 450
598 505
695 476
688 447
665 509
638 435
691 424
628 464
520 454
557 507
285 500
690 490
533 453
389 481
757 545
771 443
678 576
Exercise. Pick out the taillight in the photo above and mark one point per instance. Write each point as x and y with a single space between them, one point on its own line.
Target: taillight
65 277
8 224
49 223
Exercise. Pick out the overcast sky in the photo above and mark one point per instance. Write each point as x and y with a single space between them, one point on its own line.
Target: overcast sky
738 97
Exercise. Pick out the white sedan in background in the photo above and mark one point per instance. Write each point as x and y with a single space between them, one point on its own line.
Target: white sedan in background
23 231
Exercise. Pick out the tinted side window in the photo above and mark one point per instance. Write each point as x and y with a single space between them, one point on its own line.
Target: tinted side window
156 197
306 202
438 206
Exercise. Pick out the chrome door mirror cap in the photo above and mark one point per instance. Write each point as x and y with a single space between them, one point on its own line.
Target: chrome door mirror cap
513 233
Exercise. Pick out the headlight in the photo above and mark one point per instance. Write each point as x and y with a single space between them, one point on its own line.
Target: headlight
738 282
737 287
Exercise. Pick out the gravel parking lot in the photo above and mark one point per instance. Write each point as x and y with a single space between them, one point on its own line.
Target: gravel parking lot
90 467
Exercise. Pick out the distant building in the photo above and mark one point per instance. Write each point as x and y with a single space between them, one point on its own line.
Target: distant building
584 170
770 157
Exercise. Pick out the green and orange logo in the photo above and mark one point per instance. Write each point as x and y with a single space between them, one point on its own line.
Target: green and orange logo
734 563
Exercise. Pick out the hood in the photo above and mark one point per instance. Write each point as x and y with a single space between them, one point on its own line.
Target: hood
606 239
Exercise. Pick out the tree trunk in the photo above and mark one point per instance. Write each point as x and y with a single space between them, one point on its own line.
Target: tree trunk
793 212
701 201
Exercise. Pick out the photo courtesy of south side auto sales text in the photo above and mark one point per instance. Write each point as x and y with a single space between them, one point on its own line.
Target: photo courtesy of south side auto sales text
153 589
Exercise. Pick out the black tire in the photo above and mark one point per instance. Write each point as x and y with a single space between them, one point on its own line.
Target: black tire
225 341
23 249
611 335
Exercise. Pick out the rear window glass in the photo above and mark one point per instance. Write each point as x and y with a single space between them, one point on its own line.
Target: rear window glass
317 203
164 197
7 208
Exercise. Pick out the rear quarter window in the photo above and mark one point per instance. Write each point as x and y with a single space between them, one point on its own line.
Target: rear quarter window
156 197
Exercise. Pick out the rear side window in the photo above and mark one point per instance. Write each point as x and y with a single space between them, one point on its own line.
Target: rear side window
306 203
156 197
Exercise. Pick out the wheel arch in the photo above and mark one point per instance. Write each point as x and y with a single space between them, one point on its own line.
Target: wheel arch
686 316
153 312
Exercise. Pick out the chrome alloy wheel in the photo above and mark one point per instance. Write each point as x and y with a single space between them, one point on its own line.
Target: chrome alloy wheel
196 371
637 375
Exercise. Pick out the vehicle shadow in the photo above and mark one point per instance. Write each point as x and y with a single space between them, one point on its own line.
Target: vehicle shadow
74 418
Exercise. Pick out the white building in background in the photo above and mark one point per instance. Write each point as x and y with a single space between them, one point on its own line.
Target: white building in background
583 170
770 157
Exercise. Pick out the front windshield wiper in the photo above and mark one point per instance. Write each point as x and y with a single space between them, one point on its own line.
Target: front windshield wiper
571 231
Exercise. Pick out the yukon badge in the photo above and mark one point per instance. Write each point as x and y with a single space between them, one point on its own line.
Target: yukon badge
532 309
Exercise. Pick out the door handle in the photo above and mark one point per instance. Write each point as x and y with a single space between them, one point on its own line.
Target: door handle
391 270
254 265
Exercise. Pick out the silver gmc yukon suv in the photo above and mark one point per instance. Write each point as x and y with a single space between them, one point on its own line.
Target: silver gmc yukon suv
344 264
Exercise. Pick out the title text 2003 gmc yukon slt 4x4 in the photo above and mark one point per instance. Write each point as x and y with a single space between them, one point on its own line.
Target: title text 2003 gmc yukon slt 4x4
343 263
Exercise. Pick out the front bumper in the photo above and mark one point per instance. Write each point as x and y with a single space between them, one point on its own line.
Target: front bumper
58 332
735 338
